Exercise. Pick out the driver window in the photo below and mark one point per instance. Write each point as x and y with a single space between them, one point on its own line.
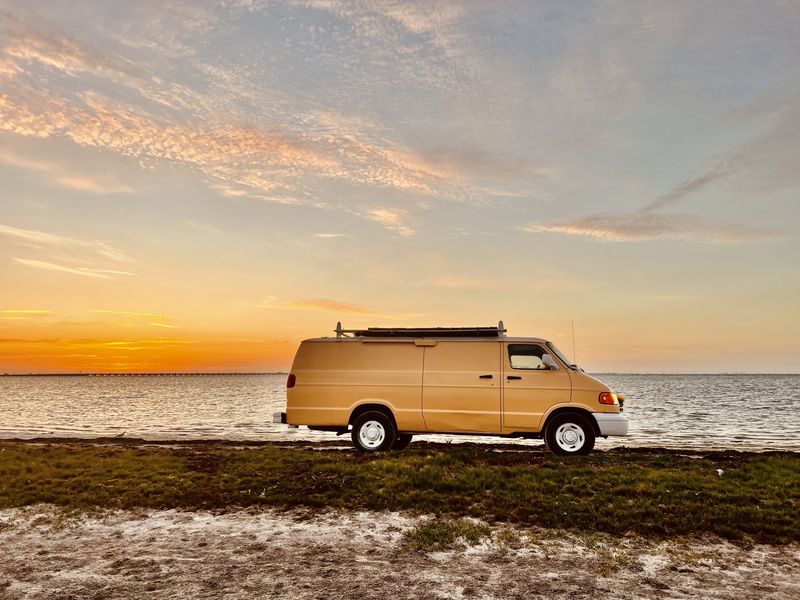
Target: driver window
525 356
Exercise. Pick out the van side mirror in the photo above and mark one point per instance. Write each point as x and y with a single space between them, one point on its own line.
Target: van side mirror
550 362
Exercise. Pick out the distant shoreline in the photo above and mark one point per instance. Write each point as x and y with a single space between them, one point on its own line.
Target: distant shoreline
162 374
200 374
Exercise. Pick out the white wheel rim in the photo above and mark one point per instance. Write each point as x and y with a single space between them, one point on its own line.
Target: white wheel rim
372 434
570 437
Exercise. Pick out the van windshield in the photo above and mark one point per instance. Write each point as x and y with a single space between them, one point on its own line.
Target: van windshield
561 356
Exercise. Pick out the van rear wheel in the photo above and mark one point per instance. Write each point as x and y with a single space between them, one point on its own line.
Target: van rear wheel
569 435
373 431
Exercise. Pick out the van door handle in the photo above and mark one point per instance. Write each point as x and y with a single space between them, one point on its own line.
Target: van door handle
510 377
485 376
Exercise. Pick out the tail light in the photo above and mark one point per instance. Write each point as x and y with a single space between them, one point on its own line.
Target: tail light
290 380
608 398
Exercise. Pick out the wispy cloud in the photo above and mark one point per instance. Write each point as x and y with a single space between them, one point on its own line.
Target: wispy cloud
88 258
130 318
721 168
624 227
329 235
394 219
131 313
332 306
61 175
83 271
85 183
23 315
42 238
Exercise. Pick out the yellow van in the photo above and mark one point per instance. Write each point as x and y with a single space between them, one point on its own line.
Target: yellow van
383 385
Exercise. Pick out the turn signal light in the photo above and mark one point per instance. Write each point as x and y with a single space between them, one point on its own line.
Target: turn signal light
290 380
608 398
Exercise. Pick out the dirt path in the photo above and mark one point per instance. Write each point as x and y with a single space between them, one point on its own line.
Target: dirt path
45 554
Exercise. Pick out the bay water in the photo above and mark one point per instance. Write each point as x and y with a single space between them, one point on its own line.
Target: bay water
745 412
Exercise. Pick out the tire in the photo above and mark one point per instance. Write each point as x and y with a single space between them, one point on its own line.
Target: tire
373 431
402 441
569 435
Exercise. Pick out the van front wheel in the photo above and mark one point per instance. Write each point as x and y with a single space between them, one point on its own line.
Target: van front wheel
373 431
569 435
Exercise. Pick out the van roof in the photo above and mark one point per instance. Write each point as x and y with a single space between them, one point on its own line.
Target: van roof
466 334
361 338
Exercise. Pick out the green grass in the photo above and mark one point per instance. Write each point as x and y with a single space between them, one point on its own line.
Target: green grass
445 534
758 496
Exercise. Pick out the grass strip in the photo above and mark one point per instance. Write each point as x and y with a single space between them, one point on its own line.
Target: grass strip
663 493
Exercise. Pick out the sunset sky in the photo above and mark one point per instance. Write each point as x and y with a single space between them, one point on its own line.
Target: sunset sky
198 186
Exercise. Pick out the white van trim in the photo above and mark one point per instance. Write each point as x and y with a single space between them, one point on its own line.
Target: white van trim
611 423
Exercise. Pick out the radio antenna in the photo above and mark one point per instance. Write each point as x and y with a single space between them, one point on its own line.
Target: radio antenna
574 356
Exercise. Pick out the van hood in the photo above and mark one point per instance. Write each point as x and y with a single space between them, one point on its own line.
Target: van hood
582 381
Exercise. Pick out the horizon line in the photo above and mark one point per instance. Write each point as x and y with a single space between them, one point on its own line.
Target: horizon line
233 373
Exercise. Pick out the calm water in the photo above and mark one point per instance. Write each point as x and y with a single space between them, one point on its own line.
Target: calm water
687 411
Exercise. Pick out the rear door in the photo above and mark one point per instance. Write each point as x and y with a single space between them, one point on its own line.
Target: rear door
461 386
530 389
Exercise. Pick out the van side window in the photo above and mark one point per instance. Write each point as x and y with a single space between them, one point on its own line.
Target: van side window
526 356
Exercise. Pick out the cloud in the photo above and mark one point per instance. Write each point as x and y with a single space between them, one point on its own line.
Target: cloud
721 168
130 313
135 317
85 183
87 258
41 238
22 315
329 235
624 227
83 271
35 237
329 306
393 219
60 175
243 159
332 306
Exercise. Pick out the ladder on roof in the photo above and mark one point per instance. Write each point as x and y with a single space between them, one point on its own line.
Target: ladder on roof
422 332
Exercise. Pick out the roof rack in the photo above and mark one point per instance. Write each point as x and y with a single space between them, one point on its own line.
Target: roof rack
421 332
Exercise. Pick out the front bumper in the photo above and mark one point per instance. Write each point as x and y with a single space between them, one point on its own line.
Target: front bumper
612 423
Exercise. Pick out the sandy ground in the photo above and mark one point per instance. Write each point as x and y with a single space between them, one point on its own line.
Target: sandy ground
46 554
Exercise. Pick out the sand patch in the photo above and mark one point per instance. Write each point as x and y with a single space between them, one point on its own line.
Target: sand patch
46 553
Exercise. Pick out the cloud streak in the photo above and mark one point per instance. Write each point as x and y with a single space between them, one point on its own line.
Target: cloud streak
83 271
60 175
720 169
393 219
332 306
624 227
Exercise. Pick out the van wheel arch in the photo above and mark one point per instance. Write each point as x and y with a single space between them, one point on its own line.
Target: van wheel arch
362 408
569 410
